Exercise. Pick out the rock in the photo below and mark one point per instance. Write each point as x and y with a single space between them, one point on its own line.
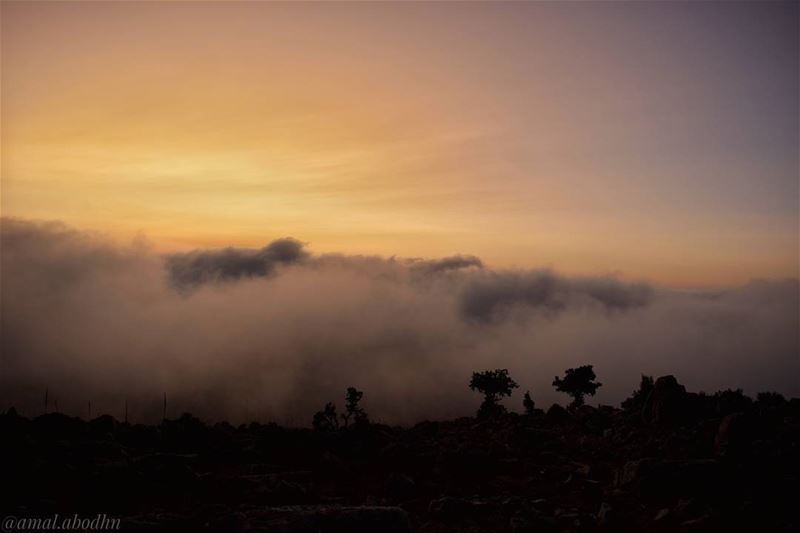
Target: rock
285 493
662 515
593 419
667 404
661 480
520 524
399 487
99 450
605 515
158 521
512 504
703 523
735 434
449 507
169 471
532 521
633 471
327 519
58 425
103 424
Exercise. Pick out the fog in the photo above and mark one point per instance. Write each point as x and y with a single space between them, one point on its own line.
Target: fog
274 333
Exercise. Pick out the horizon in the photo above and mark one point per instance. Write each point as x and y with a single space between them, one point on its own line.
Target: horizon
280 329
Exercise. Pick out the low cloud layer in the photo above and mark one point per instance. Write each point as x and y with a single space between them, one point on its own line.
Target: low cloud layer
274 333
204 266
492 297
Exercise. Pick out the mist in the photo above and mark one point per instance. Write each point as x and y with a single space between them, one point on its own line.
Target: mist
274 333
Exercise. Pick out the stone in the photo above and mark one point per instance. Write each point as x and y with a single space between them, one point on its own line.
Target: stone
399 487
667 404
605 515
449 507
735 434
327 519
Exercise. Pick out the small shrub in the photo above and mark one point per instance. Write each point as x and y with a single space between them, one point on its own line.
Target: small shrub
577 382
493 384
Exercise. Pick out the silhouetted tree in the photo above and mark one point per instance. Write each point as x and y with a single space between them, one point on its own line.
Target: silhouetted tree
494 384
326 419
577 382
771 399
731 401
352 408
528 403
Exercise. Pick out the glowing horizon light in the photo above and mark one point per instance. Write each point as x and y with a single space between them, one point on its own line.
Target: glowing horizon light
654 141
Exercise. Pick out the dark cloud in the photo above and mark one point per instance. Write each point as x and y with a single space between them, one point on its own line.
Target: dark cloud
288 331
494 296
205 266
456 262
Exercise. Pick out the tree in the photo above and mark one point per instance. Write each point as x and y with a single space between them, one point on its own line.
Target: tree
493 384
731 401
577 382
326 420
771 399
528 403
352 409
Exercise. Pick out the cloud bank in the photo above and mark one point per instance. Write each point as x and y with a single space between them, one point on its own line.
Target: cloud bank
274 333
203 266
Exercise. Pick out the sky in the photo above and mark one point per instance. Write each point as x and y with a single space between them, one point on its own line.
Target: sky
653 141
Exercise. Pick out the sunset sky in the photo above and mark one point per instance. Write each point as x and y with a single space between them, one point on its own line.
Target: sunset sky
652 141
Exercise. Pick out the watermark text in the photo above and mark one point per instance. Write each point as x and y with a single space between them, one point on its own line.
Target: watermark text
98 522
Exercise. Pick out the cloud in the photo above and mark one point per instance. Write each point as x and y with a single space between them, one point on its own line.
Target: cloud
496 295
275 333
455 262
206 266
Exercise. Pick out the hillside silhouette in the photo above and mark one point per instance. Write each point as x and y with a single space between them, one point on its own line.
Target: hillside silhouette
666 460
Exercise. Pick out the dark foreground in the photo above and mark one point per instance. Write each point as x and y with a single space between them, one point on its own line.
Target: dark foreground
672 461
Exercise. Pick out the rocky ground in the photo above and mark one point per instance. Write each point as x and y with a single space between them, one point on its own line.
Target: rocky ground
667 461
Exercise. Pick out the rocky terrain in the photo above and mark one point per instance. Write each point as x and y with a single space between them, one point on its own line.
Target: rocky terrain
667 460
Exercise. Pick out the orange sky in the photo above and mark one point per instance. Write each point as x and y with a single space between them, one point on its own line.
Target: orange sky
653 141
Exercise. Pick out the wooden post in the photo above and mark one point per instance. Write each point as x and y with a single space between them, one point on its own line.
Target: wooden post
126 410
165 406
90 410
46 391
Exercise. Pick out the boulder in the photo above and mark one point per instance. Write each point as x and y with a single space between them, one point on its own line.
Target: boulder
663 480
735 434
667 404
399 487
605 516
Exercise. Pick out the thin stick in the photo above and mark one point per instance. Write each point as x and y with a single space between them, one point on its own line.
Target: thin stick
165 406
46 391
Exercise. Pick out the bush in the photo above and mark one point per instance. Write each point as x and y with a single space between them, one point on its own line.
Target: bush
493 384
528 403
326 419
577 382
